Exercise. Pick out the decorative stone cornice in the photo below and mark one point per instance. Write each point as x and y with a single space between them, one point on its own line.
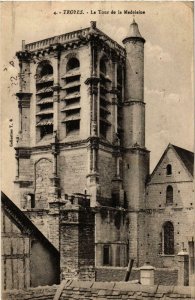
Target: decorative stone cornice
133 102
92 80
93 83
133 40
23 55
23 152
56 87
23 99
136 148
94 142
24 95
23 182
73 40
114 91
117 179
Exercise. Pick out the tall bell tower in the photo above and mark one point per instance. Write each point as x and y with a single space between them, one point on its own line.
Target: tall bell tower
136 156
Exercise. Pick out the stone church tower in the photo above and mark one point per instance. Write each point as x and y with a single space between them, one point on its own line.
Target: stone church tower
82 134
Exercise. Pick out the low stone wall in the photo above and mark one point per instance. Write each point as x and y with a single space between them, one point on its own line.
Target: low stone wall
71 290
161 276
166 277
115 274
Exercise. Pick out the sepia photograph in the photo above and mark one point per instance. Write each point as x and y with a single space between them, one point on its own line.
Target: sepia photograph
97 150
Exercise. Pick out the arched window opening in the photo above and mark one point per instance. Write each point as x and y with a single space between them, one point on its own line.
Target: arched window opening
168 238
73 63
44 95
169 169
46 70
169 195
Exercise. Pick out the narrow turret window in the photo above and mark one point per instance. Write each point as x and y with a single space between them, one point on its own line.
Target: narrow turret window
169 195
106 255
169 169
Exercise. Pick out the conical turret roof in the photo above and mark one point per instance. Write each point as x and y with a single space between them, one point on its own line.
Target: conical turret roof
133 32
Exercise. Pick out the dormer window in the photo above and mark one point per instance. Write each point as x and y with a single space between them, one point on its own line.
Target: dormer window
169 169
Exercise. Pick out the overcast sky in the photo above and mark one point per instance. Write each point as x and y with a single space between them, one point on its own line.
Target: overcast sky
168 30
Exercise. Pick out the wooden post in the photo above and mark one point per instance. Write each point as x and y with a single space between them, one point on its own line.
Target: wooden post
129 268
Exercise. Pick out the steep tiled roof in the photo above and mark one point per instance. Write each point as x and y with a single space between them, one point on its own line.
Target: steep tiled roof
187 158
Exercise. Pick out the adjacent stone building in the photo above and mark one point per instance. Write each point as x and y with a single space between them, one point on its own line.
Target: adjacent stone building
82 134
169 217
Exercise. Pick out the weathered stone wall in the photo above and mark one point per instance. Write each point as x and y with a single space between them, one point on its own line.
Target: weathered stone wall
106 170
77 242
83 55
102 291
115 274
161 276
73 169
112 230
43 173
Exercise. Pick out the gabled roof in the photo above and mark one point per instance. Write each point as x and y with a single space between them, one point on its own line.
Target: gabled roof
186 156
24 223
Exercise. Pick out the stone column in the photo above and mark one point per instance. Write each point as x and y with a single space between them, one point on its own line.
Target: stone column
54 193
77 240
56 87
17 163
54 222
117 190
114 94
24 118
183 272
92 82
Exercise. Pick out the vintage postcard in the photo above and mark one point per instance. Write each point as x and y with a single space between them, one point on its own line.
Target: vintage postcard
97 140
